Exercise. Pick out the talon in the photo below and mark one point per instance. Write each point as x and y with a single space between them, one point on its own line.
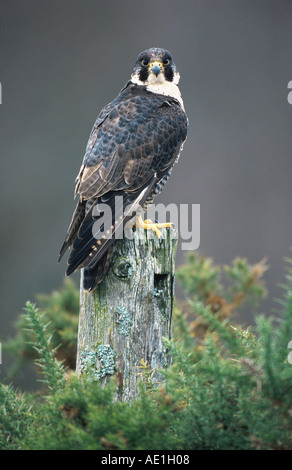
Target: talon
149 225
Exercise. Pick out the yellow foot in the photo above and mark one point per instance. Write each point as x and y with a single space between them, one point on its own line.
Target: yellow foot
149 225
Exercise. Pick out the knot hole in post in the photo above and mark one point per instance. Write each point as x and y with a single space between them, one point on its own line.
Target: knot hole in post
160 284
123 269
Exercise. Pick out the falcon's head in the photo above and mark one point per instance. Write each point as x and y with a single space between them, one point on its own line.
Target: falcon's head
153 67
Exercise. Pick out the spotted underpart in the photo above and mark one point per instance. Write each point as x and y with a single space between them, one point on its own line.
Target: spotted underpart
131 152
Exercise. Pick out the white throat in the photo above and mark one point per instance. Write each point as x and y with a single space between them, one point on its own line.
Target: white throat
160 86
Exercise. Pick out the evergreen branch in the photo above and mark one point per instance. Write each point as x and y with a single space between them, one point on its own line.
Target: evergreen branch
52 370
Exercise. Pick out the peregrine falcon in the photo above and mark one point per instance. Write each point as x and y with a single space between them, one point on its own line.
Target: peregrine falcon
131 151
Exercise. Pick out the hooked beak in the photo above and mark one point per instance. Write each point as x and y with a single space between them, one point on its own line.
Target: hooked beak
156 68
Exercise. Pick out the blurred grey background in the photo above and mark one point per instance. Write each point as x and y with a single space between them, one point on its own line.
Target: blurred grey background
61 61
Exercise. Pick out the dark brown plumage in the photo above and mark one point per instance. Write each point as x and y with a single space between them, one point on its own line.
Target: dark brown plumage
131 151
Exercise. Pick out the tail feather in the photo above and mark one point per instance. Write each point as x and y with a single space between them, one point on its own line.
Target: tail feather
93 276
91 247
131 202
89 239
77 217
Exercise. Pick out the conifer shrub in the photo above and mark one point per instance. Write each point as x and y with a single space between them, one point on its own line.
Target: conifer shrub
229 387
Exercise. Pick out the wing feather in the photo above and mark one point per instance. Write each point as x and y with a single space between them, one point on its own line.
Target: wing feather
115 154
90 246
133 144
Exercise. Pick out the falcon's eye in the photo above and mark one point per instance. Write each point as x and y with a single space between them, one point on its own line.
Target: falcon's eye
166 61
145 62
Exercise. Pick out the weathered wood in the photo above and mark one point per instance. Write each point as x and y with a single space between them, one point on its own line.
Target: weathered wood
125 319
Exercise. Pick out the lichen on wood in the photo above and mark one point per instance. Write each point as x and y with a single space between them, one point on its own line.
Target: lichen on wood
130 312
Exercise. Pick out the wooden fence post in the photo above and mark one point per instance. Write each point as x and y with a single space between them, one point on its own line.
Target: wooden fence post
125 319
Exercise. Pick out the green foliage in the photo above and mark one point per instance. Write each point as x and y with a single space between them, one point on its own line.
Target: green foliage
15 417
237 392
200 277
229 388
61 309
85 416
224 290
51 369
